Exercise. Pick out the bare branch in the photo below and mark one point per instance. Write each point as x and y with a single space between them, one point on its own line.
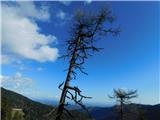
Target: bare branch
86 28
60 86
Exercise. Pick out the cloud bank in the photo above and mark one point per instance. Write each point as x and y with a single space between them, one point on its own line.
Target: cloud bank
16 82
21 36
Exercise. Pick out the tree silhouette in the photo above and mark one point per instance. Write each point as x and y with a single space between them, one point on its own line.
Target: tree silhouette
123 97
86 28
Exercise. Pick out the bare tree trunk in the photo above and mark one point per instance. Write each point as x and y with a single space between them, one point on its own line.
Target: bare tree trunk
64 92
121 110
79 47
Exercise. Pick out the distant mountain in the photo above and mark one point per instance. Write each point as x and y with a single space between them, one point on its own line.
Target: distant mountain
46 101
32 110
103 113
153 112
132 111
38 111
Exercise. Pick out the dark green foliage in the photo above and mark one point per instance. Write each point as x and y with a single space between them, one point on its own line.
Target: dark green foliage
5 109
13 100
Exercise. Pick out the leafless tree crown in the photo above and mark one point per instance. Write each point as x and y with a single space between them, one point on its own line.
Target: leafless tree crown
124 96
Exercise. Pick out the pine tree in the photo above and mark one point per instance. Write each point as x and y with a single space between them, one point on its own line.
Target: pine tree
123 97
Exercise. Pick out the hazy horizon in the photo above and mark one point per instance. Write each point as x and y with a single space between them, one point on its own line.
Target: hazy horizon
34 34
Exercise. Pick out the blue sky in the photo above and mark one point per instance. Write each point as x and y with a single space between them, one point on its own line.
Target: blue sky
129 61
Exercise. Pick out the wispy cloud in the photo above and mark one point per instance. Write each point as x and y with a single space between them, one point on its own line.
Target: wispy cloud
21 36
29 9
61 15
40 69
6 59
17 82
65 2
88 1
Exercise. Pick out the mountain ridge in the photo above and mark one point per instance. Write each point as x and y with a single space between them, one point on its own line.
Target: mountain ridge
134 111
33 108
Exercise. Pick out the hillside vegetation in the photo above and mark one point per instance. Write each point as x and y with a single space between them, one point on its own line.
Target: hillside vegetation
32 110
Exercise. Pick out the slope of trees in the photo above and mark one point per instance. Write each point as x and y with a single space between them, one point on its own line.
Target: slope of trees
32 110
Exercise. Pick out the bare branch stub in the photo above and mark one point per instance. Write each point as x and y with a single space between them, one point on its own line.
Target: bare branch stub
85 30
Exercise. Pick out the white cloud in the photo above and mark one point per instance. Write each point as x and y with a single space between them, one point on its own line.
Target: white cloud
16 82
21 35
61 15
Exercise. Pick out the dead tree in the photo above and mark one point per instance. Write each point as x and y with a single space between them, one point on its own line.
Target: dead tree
123 97
85 30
